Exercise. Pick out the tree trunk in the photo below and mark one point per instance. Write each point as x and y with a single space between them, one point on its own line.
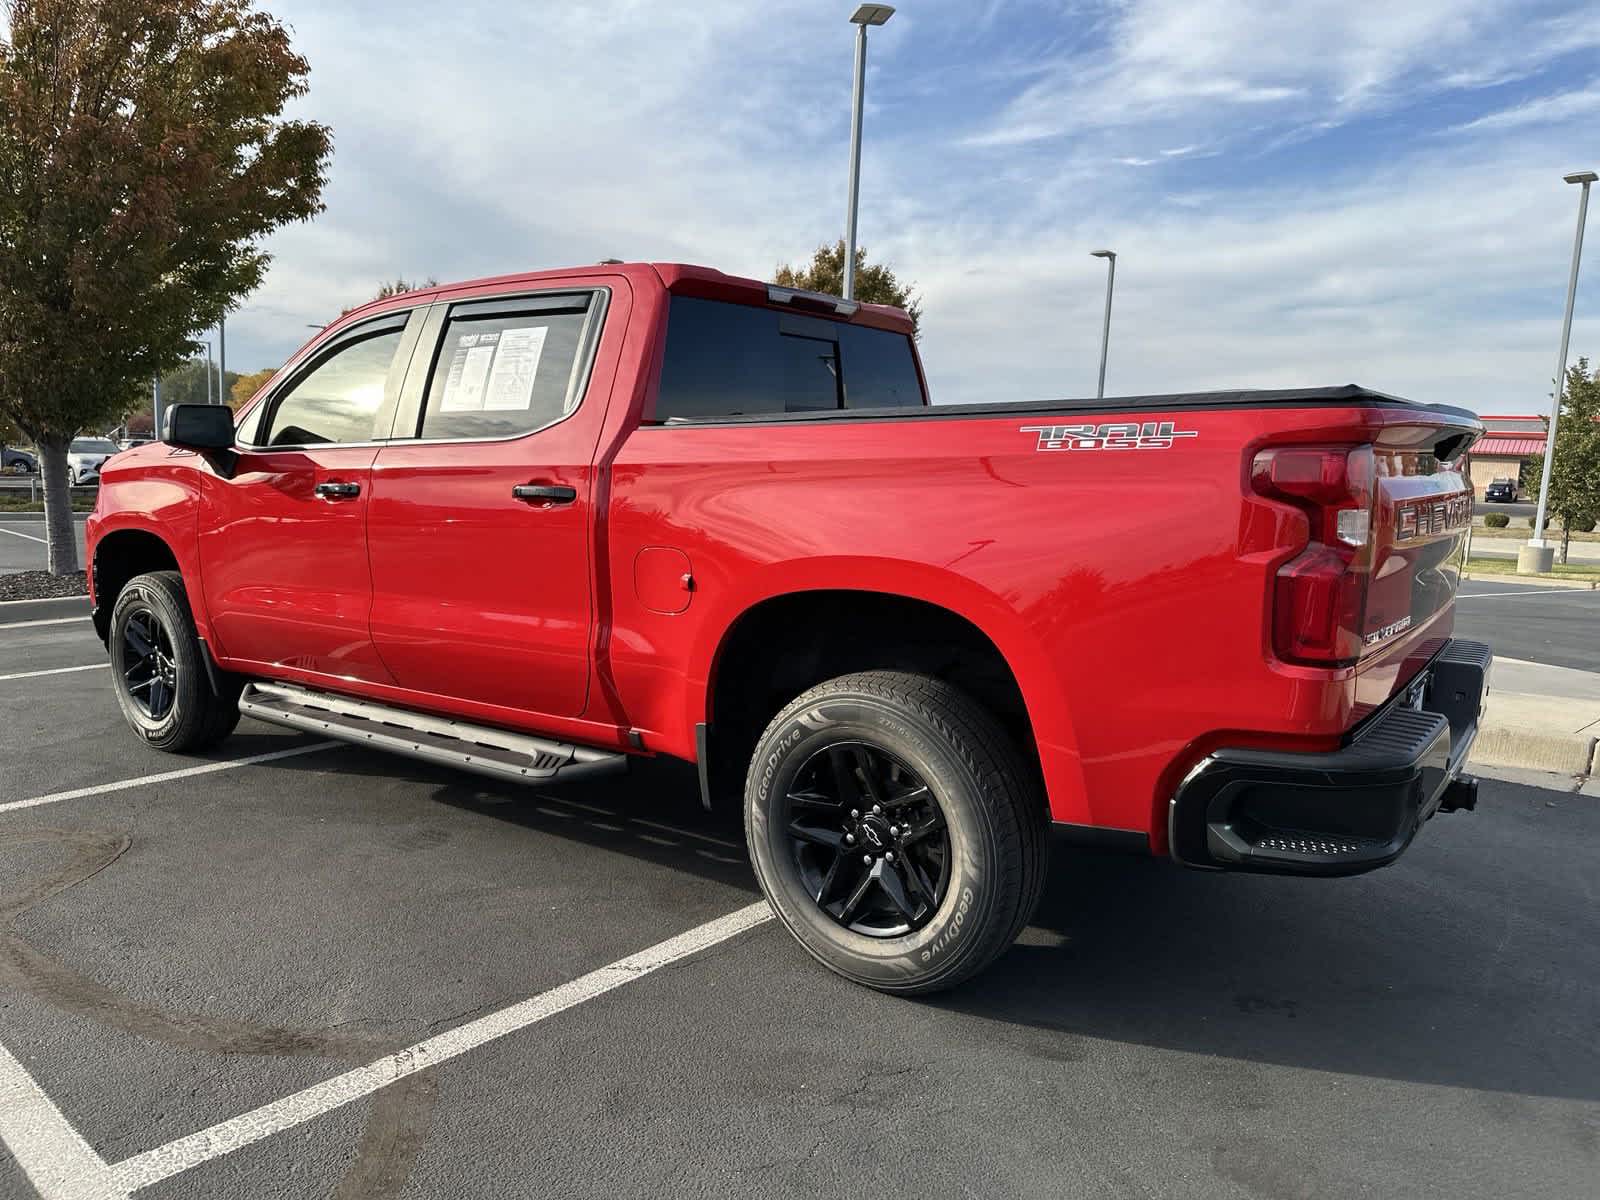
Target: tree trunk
59 529
1566 538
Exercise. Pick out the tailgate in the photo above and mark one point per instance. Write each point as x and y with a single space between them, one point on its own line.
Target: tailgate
1422 508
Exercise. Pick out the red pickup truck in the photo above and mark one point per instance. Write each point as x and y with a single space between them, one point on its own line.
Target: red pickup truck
534 526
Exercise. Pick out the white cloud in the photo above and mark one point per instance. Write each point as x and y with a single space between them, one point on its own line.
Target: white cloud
488 138
1202 64
1559 107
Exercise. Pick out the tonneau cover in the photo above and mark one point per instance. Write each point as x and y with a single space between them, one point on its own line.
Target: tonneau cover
1348 395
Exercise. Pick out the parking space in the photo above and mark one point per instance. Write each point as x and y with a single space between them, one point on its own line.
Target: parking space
330 972
1533 622
22 542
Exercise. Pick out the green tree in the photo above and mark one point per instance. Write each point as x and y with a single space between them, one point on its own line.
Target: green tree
1575 475
143 155
875 284
245 386
186 384
397 287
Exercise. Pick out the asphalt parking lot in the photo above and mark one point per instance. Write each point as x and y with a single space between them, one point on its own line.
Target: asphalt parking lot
333 973
1534 622
22 541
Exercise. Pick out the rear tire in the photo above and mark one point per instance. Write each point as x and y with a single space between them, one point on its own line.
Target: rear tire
932 859
158 668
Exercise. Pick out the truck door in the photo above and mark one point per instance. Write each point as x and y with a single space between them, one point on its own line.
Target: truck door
283 553
482 511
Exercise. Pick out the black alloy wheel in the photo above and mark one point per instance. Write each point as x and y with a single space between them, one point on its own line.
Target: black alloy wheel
150 669
172 698
895 828
869 839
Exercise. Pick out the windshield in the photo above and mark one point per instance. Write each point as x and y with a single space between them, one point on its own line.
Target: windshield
93 446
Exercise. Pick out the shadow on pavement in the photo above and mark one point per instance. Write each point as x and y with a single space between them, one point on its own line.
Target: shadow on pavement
1370 976
1460 966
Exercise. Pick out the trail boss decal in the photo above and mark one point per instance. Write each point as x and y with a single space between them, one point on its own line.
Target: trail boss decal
1152 435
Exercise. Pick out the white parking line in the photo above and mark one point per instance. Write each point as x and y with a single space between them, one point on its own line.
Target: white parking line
53 1155
29 536
79 620
153 1166
165 776
53 671
43 600
1529 592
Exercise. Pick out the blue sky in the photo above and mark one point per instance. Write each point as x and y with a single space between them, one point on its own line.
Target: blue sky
1299 193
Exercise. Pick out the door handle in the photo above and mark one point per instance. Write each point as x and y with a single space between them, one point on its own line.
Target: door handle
549 493
338 491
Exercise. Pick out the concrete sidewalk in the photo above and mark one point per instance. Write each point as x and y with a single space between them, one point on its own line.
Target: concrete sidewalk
1540 718
1578 553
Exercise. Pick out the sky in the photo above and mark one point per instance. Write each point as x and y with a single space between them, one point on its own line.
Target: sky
1300 194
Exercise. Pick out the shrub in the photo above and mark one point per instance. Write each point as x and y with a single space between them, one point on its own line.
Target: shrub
1496 520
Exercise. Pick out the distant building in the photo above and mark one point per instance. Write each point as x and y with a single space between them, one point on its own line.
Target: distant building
1504 451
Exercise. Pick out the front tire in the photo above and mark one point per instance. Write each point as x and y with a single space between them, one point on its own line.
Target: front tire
158 668
896 830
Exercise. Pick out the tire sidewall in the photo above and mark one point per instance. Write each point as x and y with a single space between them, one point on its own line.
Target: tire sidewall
145 592
913 960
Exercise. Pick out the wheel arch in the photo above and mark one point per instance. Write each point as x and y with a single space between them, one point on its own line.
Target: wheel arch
122 553
826 617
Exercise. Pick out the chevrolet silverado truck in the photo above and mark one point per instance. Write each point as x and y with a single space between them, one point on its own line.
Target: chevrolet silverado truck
535 526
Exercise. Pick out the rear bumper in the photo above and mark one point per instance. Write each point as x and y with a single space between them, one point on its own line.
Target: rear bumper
1348 811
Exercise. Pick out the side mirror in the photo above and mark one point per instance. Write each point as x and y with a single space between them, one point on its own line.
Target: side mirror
199 427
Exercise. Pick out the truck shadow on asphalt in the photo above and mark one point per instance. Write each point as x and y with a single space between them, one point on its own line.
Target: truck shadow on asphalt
1387 975
1368 976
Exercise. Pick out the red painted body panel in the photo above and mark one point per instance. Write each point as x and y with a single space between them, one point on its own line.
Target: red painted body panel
1129 591
479 595
1112 583
284 571
152 489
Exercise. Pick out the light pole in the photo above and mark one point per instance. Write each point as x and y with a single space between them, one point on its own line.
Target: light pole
867 14
1105 330
1538 556
222 360
210 378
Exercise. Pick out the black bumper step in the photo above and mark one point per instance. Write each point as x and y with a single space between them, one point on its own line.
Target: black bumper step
1349 810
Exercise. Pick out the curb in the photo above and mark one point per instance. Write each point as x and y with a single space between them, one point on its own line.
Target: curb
1534 749
1542 580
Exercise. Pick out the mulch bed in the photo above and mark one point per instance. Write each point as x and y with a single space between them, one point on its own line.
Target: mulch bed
41 585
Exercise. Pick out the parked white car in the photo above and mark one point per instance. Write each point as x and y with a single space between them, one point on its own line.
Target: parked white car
84 457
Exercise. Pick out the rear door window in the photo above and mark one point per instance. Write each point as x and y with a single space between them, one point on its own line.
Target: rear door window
507 368
734 360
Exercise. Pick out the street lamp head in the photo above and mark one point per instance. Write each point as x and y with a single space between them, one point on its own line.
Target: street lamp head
1581 177
872 14
1102 254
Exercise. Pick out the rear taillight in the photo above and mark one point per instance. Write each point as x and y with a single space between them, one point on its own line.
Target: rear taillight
1320 596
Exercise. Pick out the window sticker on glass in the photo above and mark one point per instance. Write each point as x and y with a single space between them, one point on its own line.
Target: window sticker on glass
469 370
515 365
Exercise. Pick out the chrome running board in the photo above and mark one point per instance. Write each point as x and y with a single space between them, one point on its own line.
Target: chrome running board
481 748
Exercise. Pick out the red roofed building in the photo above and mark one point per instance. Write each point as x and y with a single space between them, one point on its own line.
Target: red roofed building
1503 452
